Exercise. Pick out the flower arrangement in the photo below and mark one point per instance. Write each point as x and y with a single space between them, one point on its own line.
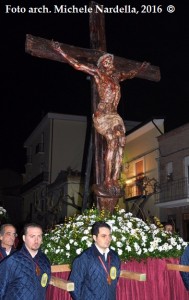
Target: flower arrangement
3 214
132 238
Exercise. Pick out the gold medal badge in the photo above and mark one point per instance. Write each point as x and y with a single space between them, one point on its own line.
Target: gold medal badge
113 273
44 280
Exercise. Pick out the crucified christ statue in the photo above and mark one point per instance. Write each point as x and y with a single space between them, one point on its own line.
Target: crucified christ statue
107 121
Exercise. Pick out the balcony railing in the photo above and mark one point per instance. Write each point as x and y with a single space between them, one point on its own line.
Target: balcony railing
140 186
173 190
135 188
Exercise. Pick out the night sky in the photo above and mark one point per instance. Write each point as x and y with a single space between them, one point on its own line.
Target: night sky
31 87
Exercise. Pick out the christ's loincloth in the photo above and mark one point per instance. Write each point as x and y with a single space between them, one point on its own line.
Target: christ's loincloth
104 123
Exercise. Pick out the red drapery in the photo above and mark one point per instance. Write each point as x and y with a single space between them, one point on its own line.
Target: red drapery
160 283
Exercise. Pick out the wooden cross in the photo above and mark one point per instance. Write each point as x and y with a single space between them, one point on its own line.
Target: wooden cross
44 48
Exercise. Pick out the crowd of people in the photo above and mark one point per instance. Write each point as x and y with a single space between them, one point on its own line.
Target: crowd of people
25 273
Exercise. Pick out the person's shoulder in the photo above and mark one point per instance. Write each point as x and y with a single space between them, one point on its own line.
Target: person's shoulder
184 259
186 250
114 253
43 256
13 249
15 255
86 254
10 259
42 253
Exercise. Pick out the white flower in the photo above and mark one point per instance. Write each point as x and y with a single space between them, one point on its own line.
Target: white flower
68 246
178 247
144 237
128 248
139 251
84 238
121 211
110 222
79 224
78 251
136 246
153 226
123 238
173 241
114 238
119 251
89 244
129 224
133 232
127 215
119 244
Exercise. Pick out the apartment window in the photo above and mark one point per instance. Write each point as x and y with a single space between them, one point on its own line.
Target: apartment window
29 155
40 146
186 167
169 171
139 169
135 182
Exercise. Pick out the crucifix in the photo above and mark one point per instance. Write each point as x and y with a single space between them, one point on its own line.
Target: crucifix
106 71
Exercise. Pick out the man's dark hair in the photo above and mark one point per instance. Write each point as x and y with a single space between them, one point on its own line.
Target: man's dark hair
26 226
97 225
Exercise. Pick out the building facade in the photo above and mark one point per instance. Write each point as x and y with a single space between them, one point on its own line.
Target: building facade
140 168
173 198
54 161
